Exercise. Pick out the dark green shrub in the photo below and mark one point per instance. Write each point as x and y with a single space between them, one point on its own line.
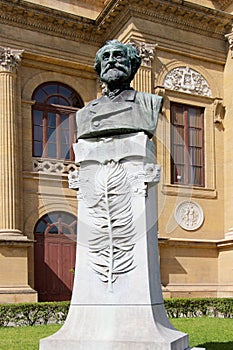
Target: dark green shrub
30 314
197 307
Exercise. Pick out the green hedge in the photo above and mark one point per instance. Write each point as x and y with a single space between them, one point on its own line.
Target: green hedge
30 314
197 307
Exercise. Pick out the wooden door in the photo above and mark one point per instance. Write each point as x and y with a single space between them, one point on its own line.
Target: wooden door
54 254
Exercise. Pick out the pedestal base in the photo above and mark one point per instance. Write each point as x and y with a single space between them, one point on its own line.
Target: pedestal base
82 345
14 286
116 327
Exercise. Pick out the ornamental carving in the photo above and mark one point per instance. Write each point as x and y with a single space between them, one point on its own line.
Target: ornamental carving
111 245
189 215
9 58
138 180
187 80
146 52
53 167
73 179
230 42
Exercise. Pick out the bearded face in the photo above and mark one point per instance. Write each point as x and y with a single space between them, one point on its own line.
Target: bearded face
115 66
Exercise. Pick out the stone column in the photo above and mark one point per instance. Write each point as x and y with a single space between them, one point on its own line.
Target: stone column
143 79
228 141
13 244
9 181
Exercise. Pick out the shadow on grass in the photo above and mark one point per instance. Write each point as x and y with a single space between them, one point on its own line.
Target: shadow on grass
217 346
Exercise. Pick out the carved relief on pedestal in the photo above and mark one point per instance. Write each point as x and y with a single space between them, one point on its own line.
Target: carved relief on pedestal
138 180
189 215
111 246
73 179
9 59
187 80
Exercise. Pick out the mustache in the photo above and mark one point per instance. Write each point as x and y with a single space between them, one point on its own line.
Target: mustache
114 65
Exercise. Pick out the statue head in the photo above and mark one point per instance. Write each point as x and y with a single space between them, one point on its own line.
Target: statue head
117 63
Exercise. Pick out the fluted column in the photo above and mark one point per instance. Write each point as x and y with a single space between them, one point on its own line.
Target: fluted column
9 174
228 141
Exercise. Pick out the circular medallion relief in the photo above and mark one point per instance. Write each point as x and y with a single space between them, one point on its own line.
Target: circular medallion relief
189 215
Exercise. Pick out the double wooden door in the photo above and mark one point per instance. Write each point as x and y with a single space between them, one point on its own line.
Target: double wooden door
54 256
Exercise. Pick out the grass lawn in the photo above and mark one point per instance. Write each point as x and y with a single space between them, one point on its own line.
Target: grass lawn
211 333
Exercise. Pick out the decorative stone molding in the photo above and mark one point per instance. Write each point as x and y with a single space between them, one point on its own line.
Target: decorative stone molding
230 42
160 90
41 19
219 112
146 52
224 3
231 46
53 166
187 80
73 179
138 181
184 15
9 59
189 215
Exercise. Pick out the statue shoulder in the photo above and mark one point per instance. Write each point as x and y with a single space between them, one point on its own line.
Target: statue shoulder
152 101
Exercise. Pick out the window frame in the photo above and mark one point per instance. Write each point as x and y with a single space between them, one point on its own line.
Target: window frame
188 164
57 226
58 111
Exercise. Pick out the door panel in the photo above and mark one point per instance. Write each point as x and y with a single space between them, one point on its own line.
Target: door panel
54 259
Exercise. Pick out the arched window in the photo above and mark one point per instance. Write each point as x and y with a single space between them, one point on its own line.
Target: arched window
57 223
54 126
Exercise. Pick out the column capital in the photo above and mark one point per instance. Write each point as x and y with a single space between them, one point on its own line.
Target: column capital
146 51
9 59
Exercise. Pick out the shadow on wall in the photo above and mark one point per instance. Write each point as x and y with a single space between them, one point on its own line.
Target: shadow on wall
169 267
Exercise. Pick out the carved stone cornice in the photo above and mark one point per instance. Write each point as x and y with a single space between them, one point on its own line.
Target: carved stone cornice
179 13
9 59
46 20
223 4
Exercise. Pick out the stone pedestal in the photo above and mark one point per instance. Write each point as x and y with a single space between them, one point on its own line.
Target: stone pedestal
117 301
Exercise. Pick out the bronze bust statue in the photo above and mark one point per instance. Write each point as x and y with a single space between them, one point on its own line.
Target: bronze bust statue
121 109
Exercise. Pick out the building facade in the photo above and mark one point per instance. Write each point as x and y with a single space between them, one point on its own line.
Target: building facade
47 50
